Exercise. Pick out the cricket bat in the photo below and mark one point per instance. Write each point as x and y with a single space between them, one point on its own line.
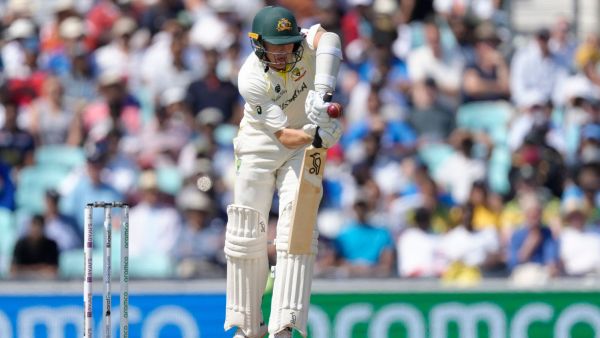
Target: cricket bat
306 204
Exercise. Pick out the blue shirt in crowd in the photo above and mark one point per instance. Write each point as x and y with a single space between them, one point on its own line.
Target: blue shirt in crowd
546 252
363 244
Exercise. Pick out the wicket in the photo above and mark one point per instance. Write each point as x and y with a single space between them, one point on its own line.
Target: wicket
106 276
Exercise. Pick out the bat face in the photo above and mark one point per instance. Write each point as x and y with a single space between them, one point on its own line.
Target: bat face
306 204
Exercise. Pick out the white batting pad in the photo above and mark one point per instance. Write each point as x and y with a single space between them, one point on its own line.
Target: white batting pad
247 268
291 290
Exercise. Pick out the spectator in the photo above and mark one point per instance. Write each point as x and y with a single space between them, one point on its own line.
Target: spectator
72 33
198 252
486 214
563 42
396 138
166 63
116 108
154 223
35 255
458 173
364 249
212 91
118 57
418 248
163 138
533 245
535 72
17 146
487 78
88 187
7 188
51 121
433 61
469 253
59 227
432 120
579 246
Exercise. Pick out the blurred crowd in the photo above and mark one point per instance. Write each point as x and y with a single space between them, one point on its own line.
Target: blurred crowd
469 150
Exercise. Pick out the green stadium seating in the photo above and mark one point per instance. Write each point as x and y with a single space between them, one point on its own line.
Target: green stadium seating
434 154
33 183
8 237
489 117
59 155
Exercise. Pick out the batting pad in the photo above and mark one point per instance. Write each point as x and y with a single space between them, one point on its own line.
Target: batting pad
247 268
291 290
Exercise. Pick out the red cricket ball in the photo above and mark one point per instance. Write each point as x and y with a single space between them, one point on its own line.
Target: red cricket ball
334 110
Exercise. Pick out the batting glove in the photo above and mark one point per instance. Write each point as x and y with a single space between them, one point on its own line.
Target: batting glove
329 133
316 108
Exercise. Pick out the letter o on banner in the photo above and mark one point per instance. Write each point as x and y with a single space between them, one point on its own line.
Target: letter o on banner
576 314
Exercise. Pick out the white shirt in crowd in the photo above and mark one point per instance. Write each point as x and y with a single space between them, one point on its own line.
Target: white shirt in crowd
457 175
579 251
417 254
471 248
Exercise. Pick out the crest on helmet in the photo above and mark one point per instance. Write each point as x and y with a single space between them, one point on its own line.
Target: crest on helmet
284 25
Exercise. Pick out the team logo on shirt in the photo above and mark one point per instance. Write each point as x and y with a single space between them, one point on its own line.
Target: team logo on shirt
284 25
298 73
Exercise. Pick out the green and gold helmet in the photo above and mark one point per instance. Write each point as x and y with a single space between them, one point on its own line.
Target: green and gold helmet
277 26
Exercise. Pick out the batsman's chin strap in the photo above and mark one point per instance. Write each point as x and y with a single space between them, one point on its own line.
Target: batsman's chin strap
317 141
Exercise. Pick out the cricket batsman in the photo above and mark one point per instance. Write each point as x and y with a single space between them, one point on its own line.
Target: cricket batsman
283 84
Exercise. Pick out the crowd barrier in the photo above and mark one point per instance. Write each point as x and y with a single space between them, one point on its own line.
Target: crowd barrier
340 309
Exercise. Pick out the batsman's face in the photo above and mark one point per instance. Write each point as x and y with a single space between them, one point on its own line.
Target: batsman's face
279 55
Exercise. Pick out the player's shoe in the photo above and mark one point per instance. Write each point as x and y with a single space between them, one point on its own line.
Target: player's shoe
262 332
285 333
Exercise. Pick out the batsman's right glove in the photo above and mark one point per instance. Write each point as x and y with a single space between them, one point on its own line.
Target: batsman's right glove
329 133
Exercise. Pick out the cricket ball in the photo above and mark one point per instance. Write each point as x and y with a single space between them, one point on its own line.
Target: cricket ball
334 110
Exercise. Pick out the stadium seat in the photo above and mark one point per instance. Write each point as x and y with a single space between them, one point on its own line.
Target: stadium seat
434 154
499 168
489 117
60 155
8 237
169 180
33 183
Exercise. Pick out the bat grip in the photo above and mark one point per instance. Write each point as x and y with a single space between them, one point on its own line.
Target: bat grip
317 142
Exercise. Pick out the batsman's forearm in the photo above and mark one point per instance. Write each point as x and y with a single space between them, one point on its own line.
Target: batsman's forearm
293 138
328 59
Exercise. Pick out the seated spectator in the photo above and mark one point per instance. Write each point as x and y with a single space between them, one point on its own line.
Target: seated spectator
535 71
433 61
155 223
162 138
468 253
50 120
7 187
486 213
364 249
579 247
458 173
199 249
417 248
59 227
487 78
17 146
396 137
533 246
35 255
89 186
431 119
116 108
513 216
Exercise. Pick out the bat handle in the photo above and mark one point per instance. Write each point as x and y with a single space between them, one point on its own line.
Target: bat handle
317 142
